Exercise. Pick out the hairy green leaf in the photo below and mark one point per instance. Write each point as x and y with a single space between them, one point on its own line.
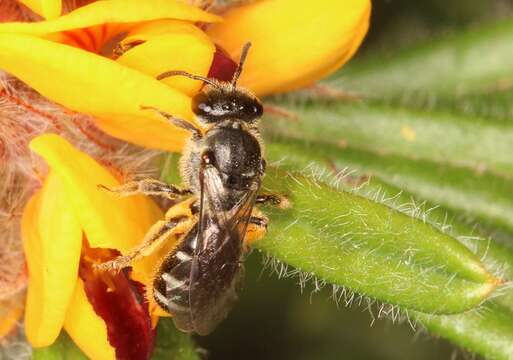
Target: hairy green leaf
474 60
373 249
487 330
476 143
485 196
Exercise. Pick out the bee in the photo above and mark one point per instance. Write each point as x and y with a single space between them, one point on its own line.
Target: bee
222 169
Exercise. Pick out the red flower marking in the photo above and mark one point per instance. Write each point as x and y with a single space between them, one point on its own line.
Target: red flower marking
120 303
223 67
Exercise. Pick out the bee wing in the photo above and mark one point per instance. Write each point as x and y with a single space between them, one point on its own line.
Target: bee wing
217 271
199 282
212 196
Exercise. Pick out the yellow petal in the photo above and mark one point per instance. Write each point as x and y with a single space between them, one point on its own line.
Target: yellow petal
94 85
295 42
147 30
48 9
87 329
113 11
170 45
52 241
107 220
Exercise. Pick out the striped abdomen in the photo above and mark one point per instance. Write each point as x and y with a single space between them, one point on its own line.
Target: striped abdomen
198 286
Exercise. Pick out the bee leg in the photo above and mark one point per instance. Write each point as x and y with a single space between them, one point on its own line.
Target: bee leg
148 187
120 49
273 199
257 227
154 238
176 121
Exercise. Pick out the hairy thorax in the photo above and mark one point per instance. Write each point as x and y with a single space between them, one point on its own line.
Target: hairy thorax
237 154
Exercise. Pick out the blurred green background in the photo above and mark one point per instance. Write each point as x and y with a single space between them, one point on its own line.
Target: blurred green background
274 319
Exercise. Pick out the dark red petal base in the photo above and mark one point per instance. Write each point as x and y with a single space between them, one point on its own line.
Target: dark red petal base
120 302
223 67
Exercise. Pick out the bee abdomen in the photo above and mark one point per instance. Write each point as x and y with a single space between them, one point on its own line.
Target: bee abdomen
172 283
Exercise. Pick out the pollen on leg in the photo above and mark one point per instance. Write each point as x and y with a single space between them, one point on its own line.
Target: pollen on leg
115 265
257 227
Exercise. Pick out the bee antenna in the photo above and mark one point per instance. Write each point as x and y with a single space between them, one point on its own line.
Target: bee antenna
189 75
242 60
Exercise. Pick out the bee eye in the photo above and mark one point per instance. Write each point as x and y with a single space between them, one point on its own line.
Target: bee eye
226 107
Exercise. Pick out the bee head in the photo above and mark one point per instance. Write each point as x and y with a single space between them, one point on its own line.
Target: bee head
218 103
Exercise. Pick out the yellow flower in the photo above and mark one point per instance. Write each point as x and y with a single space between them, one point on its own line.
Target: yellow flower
65 225
68 226
102 60
295 43
82 80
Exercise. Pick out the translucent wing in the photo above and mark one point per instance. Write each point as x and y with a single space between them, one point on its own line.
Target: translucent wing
201 279
217 269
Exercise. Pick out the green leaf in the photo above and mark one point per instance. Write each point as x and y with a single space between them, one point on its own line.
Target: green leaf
487 331
62 349
476 143
485 196
173 344
347 240
474 60
446 85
